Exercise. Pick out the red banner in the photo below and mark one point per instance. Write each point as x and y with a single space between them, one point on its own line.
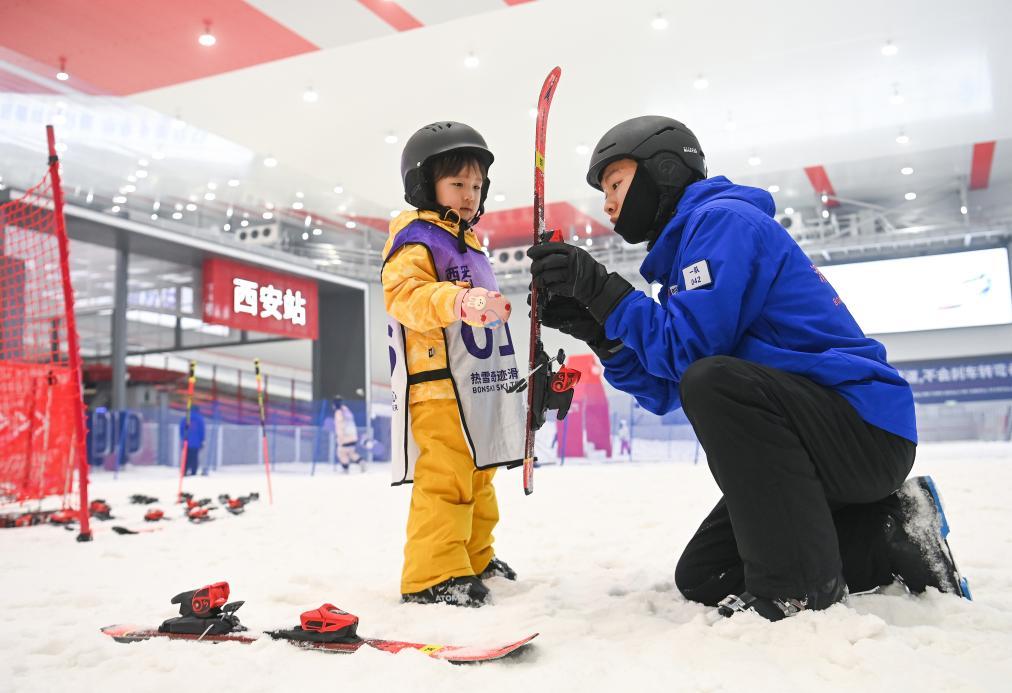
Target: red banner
247 297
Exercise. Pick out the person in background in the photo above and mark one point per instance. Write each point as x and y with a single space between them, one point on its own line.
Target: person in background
194 435
345 436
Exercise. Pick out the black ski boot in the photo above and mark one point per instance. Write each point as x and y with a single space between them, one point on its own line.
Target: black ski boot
497 568
776 609
204 612
457 591
916 539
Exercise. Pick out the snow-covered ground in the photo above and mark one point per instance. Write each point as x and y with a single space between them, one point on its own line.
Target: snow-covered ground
595 547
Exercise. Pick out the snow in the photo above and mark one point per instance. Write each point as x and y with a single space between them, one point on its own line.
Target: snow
595 547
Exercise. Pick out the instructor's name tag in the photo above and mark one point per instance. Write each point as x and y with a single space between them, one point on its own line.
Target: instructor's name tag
697 276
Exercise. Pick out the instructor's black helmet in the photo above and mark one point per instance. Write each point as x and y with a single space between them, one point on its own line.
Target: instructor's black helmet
430 141
662 145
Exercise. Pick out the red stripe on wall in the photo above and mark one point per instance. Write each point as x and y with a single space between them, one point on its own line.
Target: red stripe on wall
980 166
517 2
820 181
393 14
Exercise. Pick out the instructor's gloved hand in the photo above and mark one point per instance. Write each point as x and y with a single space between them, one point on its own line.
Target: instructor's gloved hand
566 315
567 270
480 307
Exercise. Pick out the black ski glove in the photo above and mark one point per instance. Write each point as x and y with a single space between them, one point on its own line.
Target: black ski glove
567 270
566 315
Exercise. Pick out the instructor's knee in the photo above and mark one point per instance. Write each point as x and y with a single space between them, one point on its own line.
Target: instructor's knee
703 377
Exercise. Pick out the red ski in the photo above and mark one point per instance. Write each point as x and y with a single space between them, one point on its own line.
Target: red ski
457 654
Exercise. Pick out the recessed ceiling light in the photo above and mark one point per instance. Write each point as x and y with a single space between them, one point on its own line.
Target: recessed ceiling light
789 210
177 215
268 215
119 199
209 196
233 183
317 231
902 138
754 160
394 213
659 23
773 189
701 82
499 197
910 196
270 162
963 210
305 235
156 206
391 138
191 207
62 75
212 186
890 49
300 195
132 179
153 216
310 95
907 170
115 209
207 39
342 208
226 227
471 61
141 173
309 220
350 224
590 242
244 223
297 205
824 197
338 189
269 205
582 149
825 214
128 188
142 163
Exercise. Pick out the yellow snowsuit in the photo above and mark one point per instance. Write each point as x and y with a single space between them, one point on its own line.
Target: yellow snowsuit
453 504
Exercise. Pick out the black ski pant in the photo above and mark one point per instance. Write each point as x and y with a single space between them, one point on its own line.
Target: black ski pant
806 485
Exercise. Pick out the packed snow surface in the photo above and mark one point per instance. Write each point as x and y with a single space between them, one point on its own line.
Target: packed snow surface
595 548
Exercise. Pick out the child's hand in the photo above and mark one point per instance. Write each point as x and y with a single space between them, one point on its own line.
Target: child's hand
482 308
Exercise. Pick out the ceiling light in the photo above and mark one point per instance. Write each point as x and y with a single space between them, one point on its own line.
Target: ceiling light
115 209
297 205
754 160
825 214
132 179
191 207
963 210
499 197
142 162
907 170
300 195
309 220
244 223
270 162
207 39
391 138
305 235
229 212
902 138
338 189
209 196
212 186
582 149
889 49
910 196
576 237
484 241
824 197
128 188
701 82
471 61
394 213
119 199
153 217
226 227
310 95
350 224
179 206
158 156
342 208
141 173
773 188
317 231
269 205
177 215
233 183
268 215
659 23
532 112
156 206
590 242
62 74
789 210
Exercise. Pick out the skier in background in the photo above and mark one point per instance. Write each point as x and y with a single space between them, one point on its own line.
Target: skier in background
623 439
808 431
345 436
451 357
195 435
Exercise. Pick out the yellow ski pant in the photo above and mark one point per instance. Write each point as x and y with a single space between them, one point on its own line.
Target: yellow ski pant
453 505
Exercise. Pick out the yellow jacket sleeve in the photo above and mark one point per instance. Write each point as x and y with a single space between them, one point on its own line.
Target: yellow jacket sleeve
411 293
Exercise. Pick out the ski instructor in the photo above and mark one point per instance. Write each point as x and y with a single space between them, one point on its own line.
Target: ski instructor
808 431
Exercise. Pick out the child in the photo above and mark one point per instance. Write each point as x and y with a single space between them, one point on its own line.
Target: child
451 358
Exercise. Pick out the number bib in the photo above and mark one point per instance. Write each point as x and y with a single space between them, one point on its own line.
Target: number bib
481 365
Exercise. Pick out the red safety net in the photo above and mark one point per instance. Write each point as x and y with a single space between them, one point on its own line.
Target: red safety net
41 410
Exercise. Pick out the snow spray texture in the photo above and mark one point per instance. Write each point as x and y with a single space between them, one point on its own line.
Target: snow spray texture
492 419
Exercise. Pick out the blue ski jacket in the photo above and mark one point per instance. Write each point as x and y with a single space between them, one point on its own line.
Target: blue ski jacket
733 282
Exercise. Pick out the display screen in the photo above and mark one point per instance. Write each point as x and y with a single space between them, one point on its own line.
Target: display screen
926 293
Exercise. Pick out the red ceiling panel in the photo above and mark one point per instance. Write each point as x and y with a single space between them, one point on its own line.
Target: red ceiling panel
393 14
820 181
125 46
980 166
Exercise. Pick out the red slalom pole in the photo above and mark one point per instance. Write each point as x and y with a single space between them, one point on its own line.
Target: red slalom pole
263 430
186 428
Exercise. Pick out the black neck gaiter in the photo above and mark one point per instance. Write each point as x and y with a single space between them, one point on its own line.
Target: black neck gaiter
639 210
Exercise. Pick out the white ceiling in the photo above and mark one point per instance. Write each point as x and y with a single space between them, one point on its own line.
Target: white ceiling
805 83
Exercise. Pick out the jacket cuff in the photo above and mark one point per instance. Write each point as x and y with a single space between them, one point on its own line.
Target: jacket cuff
614 290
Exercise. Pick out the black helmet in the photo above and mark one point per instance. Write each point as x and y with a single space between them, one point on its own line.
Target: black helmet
653 141
439 138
